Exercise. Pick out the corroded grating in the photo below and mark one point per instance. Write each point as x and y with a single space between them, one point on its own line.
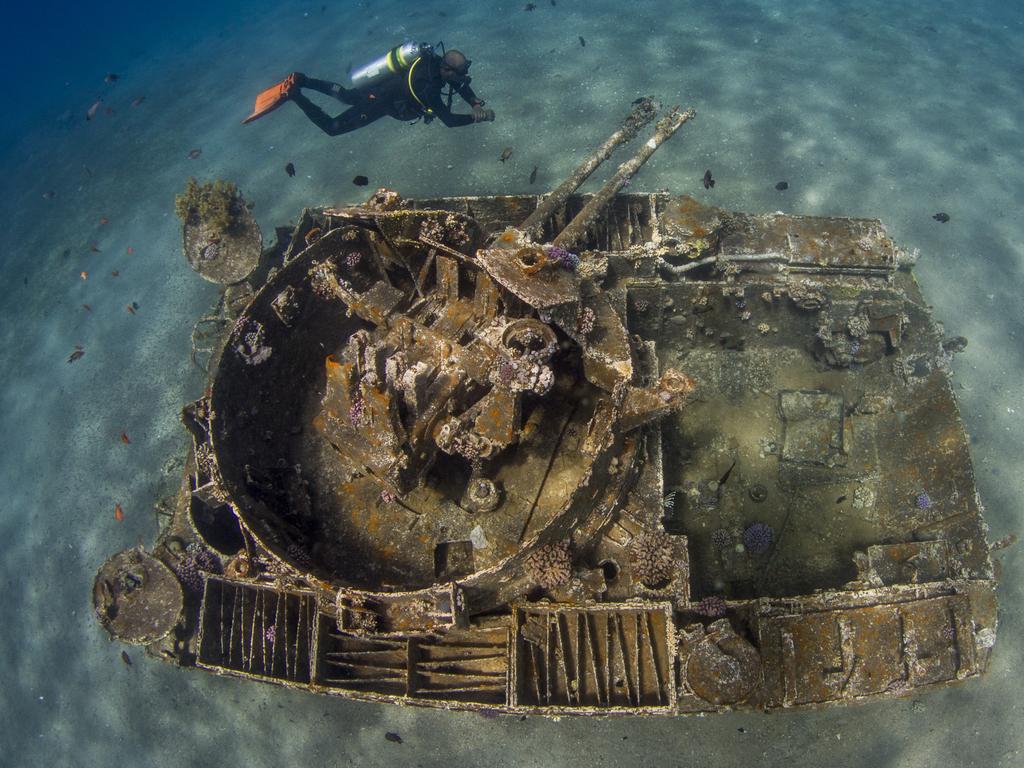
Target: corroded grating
603 656
469 666
255 630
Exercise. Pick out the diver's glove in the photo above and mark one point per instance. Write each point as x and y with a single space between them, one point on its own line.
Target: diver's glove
481 115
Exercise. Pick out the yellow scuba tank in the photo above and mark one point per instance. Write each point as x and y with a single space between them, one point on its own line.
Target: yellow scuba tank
395 61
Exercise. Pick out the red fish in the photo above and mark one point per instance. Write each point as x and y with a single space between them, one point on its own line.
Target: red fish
84 275
130 308
118 513
94 109
124 438
104 220
115 273
130 250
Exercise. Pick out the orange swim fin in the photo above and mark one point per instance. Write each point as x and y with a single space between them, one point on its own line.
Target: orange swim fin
272 98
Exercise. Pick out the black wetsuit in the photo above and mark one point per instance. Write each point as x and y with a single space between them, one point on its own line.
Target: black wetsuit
390 98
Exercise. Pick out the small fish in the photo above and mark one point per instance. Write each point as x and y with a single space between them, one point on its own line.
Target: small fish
65 253
125 439
109 110
194 154
126 658
529 7
360 181
533 174
93 248
290 169
552 3
130 250
1007 541
49 195
583 42
782 186
708 181
137 101
941 217
130 308
393 737
87 308
118 513
506 153
91 113
104 220
77 354
115 273
84 275
111 77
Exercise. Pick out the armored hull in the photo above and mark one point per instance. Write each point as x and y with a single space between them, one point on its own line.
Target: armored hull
678 460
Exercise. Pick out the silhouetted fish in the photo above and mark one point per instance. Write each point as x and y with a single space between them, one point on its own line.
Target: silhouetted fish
289 169
583 42
529 7
126 658
111 78
194 154
360 181
392 736
91 112
506 153
708 181
533 174
941 217
782 185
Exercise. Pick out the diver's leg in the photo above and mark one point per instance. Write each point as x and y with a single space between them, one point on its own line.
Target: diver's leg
348 121
326 87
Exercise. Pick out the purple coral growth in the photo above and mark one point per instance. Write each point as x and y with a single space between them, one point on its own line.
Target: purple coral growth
270 634
506 373
758 537
196 562
355 413
353 258
711 606
564 258
923 500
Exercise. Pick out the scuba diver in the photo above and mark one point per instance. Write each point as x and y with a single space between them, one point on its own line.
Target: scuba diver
406 84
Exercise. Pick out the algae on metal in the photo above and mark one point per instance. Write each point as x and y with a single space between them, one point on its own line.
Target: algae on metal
573 454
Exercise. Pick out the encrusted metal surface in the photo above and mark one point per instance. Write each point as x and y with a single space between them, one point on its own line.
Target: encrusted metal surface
679 460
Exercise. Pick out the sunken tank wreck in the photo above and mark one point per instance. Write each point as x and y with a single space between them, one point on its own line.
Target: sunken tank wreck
568 454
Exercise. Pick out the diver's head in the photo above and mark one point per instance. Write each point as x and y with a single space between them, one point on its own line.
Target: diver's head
455 67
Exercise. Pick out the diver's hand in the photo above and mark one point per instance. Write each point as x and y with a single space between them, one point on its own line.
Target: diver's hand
481 115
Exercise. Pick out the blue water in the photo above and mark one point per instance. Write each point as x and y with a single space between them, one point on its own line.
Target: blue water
878 109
